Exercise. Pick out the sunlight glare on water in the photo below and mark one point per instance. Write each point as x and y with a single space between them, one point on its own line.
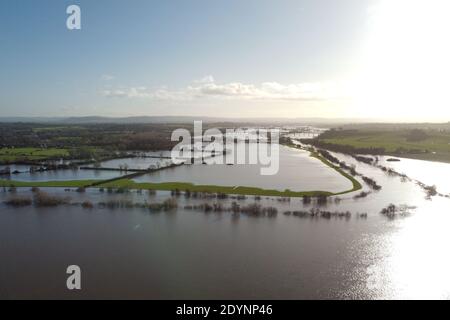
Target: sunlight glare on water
417 262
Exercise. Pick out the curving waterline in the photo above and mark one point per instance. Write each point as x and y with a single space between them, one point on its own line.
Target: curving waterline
182 186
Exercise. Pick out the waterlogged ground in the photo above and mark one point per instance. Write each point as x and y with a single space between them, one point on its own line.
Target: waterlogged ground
140 163
187 254
58 175
150 160
297 172
431 173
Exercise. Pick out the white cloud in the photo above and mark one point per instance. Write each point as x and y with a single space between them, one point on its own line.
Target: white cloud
115 93
207 88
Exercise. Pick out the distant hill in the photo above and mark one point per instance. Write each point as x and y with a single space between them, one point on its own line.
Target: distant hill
175 119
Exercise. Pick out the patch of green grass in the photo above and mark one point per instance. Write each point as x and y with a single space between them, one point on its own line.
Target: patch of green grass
435 146
169 186
14 154
45 184
182 186
389 142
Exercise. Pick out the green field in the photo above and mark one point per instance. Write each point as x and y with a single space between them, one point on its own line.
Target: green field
239 190
433 145
16 154
169 186
48 184
392 141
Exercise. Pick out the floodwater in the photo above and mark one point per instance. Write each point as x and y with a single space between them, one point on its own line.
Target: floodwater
192 255
297 172
430 173
15 167
140 163
59 175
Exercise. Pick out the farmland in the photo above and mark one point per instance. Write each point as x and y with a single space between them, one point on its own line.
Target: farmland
18 154
424 143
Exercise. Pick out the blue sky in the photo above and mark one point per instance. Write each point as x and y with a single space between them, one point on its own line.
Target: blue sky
221 58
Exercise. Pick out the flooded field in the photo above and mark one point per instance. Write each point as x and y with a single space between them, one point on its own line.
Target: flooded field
140 163
189 254
146 160
297 172
431 173
59 175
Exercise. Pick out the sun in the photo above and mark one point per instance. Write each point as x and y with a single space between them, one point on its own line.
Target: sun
404 69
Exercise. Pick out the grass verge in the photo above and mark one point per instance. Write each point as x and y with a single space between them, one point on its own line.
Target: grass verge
182 186
48 184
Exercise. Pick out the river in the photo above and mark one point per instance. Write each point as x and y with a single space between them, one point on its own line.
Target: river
131 253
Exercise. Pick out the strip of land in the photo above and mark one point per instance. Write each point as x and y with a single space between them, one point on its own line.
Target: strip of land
183 186
49 184
356 185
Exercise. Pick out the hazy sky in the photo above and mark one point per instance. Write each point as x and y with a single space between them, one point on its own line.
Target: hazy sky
314 58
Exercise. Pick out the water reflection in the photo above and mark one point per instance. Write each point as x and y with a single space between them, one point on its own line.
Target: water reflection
141 163
188 254
430 173
298 172
60 175
417 261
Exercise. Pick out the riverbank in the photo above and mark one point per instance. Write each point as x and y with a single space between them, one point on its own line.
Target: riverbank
128 183
356 185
